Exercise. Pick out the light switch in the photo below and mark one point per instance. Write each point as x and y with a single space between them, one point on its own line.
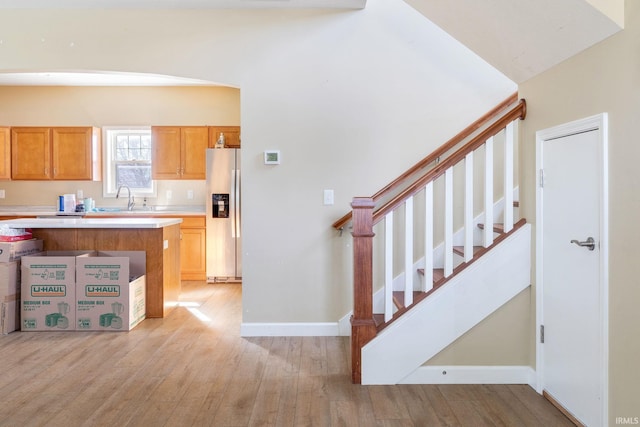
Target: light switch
1 194
328 197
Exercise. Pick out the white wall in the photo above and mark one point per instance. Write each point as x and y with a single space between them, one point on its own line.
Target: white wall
351 98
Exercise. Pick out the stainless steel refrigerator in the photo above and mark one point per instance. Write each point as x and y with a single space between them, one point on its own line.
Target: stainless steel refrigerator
224 243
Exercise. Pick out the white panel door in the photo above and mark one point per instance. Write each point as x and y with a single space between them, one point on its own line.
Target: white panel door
570 217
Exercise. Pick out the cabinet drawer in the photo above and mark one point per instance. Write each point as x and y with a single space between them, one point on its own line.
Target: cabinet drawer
193 222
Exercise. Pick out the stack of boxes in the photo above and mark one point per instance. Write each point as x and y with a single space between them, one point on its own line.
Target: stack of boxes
76 290
110 291
49 290
10 255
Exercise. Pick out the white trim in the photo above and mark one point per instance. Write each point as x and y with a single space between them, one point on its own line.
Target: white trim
329 329
472 375
448 222
109 186
598 123
408 253
435 322
487 235
436 262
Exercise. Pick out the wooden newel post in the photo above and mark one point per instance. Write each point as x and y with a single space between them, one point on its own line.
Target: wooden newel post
363 327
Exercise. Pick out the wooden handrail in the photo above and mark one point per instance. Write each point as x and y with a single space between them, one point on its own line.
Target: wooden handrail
442 150
365 216
517 112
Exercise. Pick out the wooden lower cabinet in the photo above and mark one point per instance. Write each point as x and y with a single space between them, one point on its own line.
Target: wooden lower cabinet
193 243
193 248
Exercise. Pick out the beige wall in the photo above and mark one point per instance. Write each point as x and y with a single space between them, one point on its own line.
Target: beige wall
605 78
113 106
351 98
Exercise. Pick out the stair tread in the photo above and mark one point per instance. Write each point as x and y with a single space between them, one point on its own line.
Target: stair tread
460 250
497 228
378 319
438 274
439 279
398 298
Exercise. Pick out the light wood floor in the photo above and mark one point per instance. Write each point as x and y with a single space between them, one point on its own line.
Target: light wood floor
193 369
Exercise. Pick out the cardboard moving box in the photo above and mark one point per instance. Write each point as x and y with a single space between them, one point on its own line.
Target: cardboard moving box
9 296
13 251
111 291
49 290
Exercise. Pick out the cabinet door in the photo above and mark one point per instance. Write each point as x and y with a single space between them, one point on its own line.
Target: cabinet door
231 136
72 153
165 153
31 153
193 249
195 141
5 153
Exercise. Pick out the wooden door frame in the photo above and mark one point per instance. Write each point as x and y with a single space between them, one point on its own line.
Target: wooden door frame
597 123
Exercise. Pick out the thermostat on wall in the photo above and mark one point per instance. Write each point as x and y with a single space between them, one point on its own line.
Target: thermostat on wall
272 157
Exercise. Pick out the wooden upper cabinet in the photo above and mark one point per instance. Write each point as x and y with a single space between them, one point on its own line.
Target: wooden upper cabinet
231 136
195 141
179 152
76 153
165 152
31 153
5 153
70 153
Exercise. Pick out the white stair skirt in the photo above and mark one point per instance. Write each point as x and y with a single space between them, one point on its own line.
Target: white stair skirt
434 323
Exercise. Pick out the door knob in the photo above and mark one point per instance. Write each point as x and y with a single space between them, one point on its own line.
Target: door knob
589 243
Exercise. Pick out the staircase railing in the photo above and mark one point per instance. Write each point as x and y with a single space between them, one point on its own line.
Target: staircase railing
400 194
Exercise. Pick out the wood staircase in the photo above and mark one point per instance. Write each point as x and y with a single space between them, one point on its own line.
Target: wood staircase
398 197
438 277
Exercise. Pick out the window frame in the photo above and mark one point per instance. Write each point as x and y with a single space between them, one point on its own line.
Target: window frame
109 187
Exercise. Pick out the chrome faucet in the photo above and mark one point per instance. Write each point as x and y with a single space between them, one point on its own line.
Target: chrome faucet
131 201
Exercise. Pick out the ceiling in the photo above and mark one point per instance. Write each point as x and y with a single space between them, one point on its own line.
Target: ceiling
95 79
520 38
180 4
523 38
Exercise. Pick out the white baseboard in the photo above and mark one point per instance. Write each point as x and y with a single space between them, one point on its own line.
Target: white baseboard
329 329
472 375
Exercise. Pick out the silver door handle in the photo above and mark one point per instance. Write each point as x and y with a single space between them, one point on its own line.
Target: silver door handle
589 243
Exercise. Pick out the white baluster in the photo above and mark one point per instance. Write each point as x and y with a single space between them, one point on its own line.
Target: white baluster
427 283
508 178
468 207
488 193
408 252
388 266
448 222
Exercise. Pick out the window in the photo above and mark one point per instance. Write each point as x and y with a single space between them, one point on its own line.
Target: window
128 160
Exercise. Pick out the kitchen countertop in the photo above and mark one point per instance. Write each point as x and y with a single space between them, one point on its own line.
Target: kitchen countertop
155 211
90 222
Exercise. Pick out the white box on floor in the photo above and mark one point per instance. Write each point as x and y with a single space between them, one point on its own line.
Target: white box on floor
9 296
111 291
13 251
49 290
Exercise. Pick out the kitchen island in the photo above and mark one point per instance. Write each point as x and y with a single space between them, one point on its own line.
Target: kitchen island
158 237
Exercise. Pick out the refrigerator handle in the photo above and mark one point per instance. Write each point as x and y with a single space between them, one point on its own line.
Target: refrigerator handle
236 200
232 202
